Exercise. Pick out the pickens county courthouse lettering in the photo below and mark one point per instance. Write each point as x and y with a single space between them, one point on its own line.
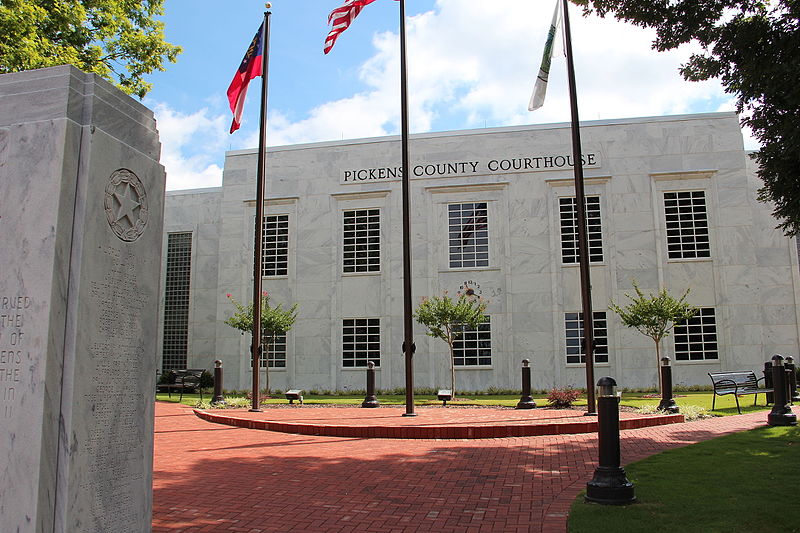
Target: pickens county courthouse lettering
468 167
671 202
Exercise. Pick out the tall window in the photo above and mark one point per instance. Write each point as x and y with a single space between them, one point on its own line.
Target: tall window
474 346
361 342
275 357
276 246
696 338
573 324
362 240
568 208
469 235
687 224
176 301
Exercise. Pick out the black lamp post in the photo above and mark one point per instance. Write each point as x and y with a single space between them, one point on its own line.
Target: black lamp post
667 404
526 401
371 400
791 371
781 414
610 485
218 398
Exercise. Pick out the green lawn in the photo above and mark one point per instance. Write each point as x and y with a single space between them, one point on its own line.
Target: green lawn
738 483
724 406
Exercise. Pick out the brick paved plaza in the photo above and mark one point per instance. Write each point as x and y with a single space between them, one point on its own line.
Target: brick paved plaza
210 477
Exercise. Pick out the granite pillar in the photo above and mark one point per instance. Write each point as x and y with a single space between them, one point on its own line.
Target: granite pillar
81 216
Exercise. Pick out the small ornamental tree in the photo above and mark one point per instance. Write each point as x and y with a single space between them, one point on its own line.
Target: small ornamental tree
446 319
274 321
654 315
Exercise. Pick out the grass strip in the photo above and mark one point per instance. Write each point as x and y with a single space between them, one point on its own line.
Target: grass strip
743 482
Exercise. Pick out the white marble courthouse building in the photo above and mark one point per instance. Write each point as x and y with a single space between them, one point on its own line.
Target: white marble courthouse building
671 202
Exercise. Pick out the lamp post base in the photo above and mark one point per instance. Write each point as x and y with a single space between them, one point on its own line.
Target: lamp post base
610 486
526 403
782 416
668 406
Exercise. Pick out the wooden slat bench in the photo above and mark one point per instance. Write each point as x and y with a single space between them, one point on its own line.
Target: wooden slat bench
738 383
185 381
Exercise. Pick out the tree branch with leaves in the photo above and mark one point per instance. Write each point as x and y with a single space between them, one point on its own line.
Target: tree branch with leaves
654 315
446 319
753 48
275 320
119 40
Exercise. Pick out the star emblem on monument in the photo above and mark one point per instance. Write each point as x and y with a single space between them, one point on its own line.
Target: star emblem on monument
126 205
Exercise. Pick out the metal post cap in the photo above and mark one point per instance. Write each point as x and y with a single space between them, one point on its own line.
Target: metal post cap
606 387
370 365
665 361
217 363
789 360
777 360
526 363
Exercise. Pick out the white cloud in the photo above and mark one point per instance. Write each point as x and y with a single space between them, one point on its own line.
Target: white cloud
191 146
469 66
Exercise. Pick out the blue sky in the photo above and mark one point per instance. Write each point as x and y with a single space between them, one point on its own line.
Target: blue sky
472 64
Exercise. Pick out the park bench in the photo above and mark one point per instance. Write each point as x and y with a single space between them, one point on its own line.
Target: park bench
186 380
295 394
737 383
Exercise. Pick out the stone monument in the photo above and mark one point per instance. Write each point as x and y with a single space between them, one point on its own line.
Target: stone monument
81 211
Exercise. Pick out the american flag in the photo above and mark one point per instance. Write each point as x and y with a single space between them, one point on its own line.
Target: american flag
341 17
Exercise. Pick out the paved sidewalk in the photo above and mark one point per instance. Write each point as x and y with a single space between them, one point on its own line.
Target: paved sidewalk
210 478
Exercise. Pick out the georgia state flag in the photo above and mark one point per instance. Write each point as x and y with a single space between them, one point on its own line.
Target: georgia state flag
250 68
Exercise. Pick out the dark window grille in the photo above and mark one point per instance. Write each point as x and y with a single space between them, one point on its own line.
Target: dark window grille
468 235
696 338
276 352
361 342
275 246
687 225
362 241
474 346
568 210
176 301
573 325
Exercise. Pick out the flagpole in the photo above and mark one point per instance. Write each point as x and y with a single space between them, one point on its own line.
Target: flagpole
408 328
580 201
259 225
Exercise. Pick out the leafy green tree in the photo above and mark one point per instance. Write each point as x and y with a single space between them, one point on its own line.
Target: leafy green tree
274 321
654 315
119 40
446 319
753 47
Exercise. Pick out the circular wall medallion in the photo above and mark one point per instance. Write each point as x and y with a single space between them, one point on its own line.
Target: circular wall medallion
126 205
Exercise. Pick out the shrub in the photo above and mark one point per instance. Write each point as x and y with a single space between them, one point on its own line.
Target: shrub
563 397
167 378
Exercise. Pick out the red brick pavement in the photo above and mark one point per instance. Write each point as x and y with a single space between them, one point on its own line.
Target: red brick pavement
433 422
210 478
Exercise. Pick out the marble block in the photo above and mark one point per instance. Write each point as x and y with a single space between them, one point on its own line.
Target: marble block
81 218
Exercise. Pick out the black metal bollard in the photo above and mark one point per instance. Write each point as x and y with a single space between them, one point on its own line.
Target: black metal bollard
218 398
526 401
610 485
768 381
667 404
794 396
781 414
370 400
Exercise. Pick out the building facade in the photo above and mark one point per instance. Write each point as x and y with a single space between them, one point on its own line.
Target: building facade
671 202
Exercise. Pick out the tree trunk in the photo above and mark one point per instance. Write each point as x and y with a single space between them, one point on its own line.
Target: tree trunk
658 367
265 347
452 365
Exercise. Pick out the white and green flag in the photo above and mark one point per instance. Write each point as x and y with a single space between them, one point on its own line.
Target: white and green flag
540 88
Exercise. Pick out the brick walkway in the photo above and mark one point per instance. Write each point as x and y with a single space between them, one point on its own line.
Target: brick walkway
209 477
